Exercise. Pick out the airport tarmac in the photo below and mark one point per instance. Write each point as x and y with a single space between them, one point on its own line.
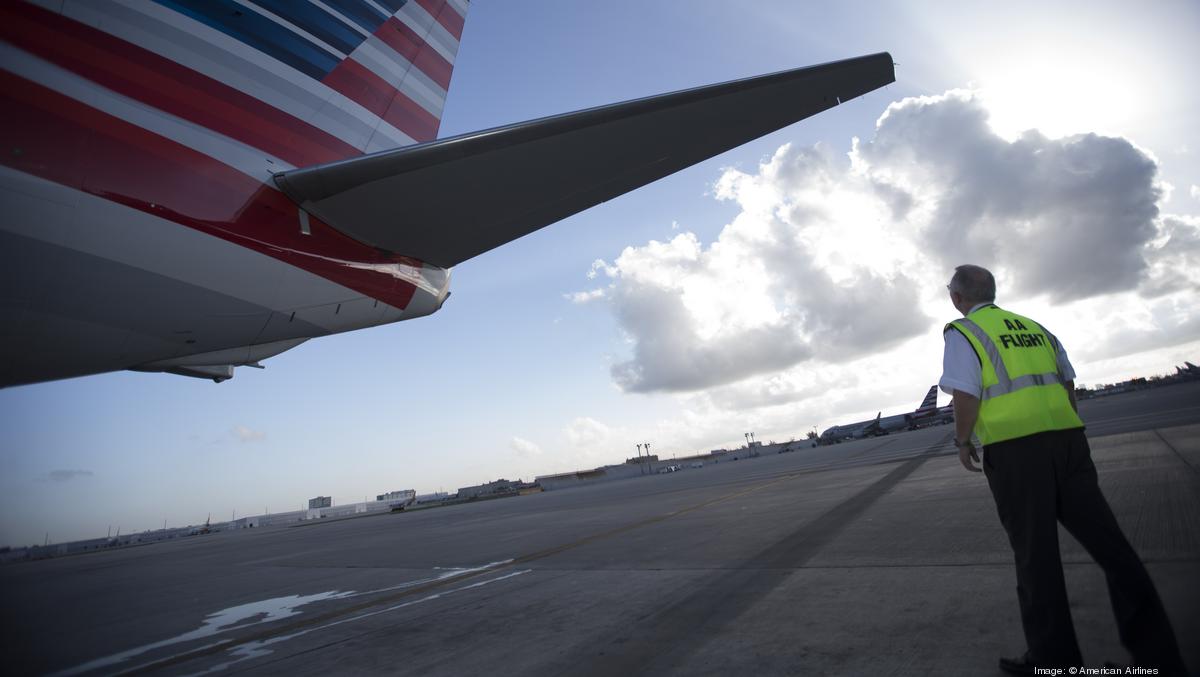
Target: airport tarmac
880 556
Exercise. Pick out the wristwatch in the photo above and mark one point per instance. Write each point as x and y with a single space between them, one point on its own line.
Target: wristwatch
964 443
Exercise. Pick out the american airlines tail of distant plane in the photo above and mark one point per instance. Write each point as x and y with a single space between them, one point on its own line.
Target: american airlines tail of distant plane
927 413
189 186
929 404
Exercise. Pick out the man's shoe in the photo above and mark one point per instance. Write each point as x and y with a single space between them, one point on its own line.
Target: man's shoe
1017 666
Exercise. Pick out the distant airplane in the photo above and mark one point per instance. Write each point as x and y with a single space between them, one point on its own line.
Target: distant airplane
927 413
189 186
928 405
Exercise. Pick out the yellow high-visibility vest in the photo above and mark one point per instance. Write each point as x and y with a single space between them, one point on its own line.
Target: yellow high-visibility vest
1023 391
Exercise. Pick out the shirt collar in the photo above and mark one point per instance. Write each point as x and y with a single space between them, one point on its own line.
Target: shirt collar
979 305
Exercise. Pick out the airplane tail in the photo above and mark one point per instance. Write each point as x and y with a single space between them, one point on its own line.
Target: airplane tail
305 83
929 404
397 67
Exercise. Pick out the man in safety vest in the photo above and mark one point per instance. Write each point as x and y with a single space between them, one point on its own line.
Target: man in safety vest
1013 387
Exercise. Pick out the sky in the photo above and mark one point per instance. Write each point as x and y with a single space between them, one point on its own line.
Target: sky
793 283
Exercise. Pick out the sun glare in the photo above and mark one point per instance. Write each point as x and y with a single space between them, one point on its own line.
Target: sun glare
1064 70
1059 94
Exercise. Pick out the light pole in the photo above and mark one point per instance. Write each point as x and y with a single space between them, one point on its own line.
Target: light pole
648 461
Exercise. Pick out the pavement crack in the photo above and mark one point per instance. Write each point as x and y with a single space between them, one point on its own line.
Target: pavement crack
1176 452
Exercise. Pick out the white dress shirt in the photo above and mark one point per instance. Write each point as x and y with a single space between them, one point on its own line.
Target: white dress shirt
961 369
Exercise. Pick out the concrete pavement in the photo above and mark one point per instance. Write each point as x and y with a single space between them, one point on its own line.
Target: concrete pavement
880 556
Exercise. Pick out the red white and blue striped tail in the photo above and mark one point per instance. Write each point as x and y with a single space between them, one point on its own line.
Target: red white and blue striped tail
389 60
304 82
929 404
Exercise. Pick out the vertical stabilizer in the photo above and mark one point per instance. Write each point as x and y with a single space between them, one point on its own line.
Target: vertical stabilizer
400 66
929 404
370 74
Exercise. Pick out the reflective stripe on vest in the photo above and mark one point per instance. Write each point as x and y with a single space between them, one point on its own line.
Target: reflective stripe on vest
1012 365
1005 384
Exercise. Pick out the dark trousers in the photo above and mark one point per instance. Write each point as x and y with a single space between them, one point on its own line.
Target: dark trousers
1047 478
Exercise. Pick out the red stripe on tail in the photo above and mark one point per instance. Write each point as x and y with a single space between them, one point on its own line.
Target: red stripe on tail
446 15
149 78
357 83
60 139
410 46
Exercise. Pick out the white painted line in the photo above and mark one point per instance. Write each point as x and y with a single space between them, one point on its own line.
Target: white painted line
448 572
263 611
241 616
258 649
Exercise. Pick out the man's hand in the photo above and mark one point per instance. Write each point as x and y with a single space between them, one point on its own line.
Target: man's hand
968 456
966 412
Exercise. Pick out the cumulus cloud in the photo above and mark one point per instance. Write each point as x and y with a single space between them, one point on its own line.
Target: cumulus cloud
585 296
600 266
1173 257
243 434
524 448
586 432
1069 216
769 293
64 475
834 257
1139 326
780 388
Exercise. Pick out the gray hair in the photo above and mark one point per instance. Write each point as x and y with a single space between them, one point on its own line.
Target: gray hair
974 283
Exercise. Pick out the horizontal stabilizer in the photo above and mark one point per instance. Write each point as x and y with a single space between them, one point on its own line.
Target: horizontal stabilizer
447 201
